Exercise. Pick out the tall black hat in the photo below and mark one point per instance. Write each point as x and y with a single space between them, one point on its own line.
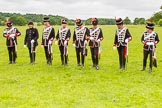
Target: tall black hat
46 19
94 21
119 21
150 25
30 23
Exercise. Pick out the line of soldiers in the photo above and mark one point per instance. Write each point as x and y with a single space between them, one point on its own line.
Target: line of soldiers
81 37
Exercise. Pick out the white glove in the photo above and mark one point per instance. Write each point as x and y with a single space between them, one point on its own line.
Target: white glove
152 43
85 41
74 45
32 41
12 35
65 42
91 38
50 42
126 41
24 46
148 43
114 47
98 40
56 42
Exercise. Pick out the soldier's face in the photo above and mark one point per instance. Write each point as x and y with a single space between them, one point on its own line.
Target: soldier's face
30 26
46 23
148 30
80 26
63 25
9 25
119 26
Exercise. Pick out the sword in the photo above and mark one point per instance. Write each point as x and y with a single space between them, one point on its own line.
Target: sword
127 52
50 51
32 51
15 49
154 57
66 52
84 48
99 50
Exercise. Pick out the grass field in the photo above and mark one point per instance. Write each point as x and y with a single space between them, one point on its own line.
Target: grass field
41 86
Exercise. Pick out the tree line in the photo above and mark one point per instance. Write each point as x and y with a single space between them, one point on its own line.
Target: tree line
23 19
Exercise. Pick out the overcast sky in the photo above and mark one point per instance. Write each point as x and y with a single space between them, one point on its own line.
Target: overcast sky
84 8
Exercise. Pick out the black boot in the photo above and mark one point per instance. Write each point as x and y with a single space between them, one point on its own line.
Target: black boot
97 68
143 69
82 65
150 70
10 62
66 57
62 60
13 62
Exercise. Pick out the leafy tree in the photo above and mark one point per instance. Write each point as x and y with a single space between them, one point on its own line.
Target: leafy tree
156 17
88 21
18 20
111 22
21 21
2 23
160 22
71 22
139 21
127 21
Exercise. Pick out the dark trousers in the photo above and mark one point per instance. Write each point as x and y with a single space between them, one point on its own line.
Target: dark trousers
122 56
145 56
63 54
95 55
32 54
12 54
79 52
47 54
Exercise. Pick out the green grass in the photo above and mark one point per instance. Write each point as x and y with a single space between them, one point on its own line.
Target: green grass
41 86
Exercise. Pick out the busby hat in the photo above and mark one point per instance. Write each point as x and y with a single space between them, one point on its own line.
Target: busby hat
119 21
63 21
8 22
149 25
78 22
30 23
94 21
46 19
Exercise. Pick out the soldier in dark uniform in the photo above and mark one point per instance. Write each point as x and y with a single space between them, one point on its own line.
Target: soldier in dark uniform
47 39
149 39
122 37
80 40
96 37
62 38
11 33
30 41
